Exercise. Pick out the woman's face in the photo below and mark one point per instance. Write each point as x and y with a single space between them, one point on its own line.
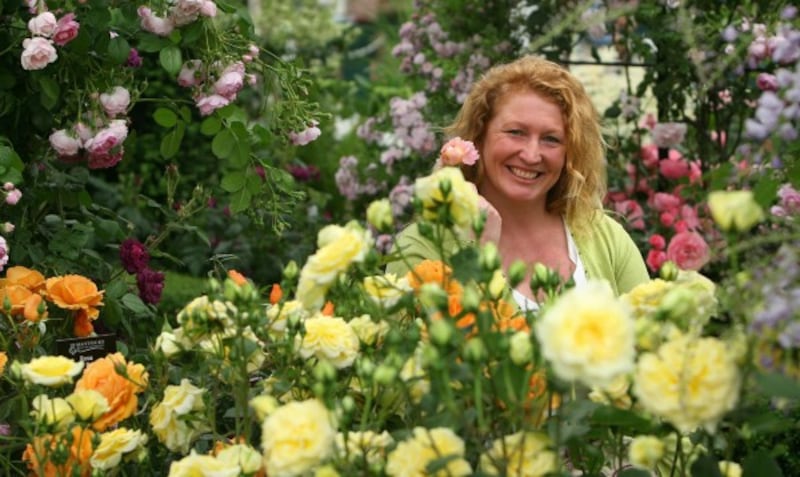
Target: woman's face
524 149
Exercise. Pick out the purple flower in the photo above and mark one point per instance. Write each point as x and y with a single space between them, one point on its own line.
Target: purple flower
304 173
133 255
134 60
151 284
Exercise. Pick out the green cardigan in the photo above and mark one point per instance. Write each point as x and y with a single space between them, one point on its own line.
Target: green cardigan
605 248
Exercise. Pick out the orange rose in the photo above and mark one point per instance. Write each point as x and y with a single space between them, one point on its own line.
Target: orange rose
433 271
327 310
82 326
26 277
3 361
22 302
237 277
74 292
38 453
120 391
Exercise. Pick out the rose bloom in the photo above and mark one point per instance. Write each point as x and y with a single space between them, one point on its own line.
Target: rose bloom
208 104
120 391
369 331
666 135
191 73
154 24
674 169
379 215
338 248
458 151
38 53
3 361
735 210
646 451
78 445
363 446
23 276
461 200
51 370
386 290
248 459
588 335
690 382
74 292
201 465
43 24
412 456
524 454
297 437
23 302
54 413
66 30
169 417
279 315
114 445
64 144
330 339
88 404
133 255
688 250
116 101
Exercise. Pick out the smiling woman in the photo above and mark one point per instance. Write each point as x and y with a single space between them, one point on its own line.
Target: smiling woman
541 178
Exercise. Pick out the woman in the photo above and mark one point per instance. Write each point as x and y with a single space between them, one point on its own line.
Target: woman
541 178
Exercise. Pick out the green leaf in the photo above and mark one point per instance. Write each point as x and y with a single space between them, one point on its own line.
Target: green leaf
759 464
631 472
234 181
705 466
165 117
135 304
612 416
778 385
50 92
150 43
119 49
171 142
240 201
171 59
765 191
240 155
223 143
210 126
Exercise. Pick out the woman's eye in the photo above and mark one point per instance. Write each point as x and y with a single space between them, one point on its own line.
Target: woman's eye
515 132
552 139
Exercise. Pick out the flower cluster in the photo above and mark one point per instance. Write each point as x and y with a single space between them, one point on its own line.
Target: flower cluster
46 31
135 258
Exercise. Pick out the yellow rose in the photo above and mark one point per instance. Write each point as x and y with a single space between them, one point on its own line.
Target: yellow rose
54 412
170 343
280 315
379 215
297 437
369 331
386 290
414 375
366 445
245 457
523 454
88 404
201 316
51 370
730 469
170 419
74 292
614 393
412 456
459 196
114 445
646 451
338 248
689 382
263 405
205 465
735 210
645 298
326 471
330 339
588 335
521 348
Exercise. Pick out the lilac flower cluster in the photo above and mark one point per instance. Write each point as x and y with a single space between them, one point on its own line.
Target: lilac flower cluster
414 37
788 205
347 179
410 126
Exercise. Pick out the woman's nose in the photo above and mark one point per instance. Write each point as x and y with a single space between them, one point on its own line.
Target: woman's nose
530 151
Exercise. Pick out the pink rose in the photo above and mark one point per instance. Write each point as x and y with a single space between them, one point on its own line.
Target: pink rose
66 30
64 144
633 213
107 138
649 155
667 219
209 9
657 241
673 169
43 24
83 131
231 81
208 104
458 151
154 24
190 74
185 12
13 196
116 102
688 250
663 201
667 135
305 136
38 53
655 258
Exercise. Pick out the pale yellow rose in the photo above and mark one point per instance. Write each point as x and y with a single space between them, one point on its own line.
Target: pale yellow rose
369 331
170 343
615 393
386 290
263 405
588 335
195 465
524 454
326 471
55 412
644 299
202 315
362 446
690 382
379 215
412 456
297 437
330 339
460 198
520 348
51 371
88 404
114 445
169 418
414 375
280 315
245 457
735 210
646 451
337 248
730 469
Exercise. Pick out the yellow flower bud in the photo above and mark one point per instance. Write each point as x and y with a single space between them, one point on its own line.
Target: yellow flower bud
735 210
646 451
497 286
379 215
521 349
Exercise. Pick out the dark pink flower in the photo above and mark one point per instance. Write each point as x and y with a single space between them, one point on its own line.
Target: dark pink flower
688 250
657 241
673 169
655 258
133 255
66 29
151 284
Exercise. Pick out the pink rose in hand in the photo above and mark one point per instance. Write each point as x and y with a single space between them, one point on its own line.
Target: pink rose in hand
66 29
38 53
458 151
688 250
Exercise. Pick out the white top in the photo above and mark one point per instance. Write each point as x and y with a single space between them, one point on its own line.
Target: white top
579 275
